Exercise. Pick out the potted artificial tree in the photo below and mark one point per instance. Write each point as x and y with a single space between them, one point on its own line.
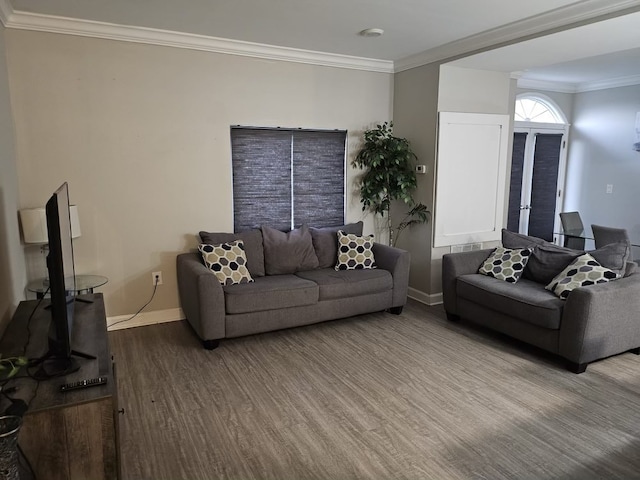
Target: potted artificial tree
389 175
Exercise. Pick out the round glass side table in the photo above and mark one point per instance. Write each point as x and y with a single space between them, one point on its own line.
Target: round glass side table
83 284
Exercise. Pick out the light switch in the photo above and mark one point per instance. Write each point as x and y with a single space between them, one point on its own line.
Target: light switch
609 188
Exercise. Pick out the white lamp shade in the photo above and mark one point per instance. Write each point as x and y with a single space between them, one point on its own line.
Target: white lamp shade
34 224
75 221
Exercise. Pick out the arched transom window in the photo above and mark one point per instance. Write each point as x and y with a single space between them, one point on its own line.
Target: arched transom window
531 108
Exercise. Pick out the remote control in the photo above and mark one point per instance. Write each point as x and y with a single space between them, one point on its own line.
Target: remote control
92 382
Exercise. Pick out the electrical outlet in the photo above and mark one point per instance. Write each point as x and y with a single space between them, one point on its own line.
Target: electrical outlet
156 276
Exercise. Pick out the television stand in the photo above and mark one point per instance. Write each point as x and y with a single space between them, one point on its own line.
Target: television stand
72 435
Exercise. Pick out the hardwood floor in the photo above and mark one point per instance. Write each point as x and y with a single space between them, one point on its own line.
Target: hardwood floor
376 396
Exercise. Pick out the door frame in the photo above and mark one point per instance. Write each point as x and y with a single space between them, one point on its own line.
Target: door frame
532 128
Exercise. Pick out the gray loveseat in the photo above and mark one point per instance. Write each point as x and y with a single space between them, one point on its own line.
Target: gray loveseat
312 292
594 322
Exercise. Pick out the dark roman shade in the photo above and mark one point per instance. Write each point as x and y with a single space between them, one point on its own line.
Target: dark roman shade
285 178
544 193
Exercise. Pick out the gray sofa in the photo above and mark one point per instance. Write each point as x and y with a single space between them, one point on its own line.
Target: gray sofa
594 322
277 301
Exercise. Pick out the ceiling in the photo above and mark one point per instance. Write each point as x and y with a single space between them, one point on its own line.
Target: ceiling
416 31
611 57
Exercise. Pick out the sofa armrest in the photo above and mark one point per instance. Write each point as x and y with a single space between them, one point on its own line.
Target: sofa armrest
396 261
201 297
454 265
601 320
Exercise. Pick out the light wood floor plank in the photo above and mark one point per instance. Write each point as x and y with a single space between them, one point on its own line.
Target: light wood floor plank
376 396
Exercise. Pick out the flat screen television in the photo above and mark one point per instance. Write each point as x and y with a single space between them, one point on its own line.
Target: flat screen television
60 264
61 272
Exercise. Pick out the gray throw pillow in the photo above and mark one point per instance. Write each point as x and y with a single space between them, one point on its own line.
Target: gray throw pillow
519 240
288 252
252 240
630 269
325 242
547 261
613 256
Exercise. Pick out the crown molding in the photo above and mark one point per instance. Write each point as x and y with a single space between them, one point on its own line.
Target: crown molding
579 87
580 12
5 11
547 85
571 15
86 28
609 83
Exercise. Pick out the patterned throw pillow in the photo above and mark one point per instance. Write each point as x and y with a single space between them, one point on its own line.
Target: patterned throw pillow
583 271
227 261
355 252
506 263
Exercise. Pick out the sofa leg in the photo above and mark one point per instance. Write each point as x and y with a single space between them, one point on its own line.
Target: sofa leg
210 344
577 367
452 317
635 350
395 310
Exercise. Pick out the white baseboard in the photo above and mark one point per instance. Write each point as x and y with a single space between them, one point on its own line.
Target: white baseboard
145 318
426 298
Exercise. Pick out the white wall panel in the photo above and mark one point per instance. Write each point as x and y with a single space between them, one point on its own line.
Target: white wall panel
471 174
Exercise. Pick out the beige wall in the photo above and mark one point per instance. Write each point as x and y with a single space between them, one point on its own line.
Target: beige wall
12 272
473 91
419 94
415 118
141 133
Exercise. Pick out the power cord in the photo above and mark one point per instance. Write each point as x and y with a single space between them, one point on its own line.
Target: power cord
18 406
153 294
24 351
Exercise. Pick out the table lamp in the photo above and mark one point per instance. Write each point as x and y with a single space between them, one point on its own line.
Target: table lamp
34 227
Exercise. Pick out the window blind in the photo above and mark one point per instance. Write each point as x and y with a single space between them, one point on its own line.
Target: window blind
284 178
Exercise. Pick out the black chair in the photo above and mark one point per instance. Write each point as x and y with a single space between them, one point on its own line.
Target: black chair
571 222
606 235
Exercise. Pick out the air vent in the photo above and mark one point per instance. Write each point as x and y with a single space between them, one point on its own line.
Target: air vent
466 248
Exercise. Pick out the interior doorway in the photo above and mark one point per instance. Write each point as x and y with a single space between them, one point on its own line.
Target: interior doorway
538 167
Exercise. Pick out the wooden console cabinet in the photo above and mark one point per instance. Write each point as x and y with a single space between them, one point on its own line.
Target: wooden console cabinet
71 435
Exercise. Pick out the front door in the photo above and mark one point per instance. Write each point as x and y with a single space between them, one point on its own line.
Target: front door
537 178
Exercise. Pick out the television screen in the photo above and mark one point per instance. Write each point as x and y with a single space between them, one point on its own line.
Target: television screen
61 277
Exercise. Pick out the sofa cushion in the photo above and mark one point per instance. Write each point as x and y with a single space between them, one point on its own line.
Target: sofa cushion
325 242
348 283
506 264
288 252
582 272
355 252
227 261
547 261
270 293
519 240
613 256
252 240
526 300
